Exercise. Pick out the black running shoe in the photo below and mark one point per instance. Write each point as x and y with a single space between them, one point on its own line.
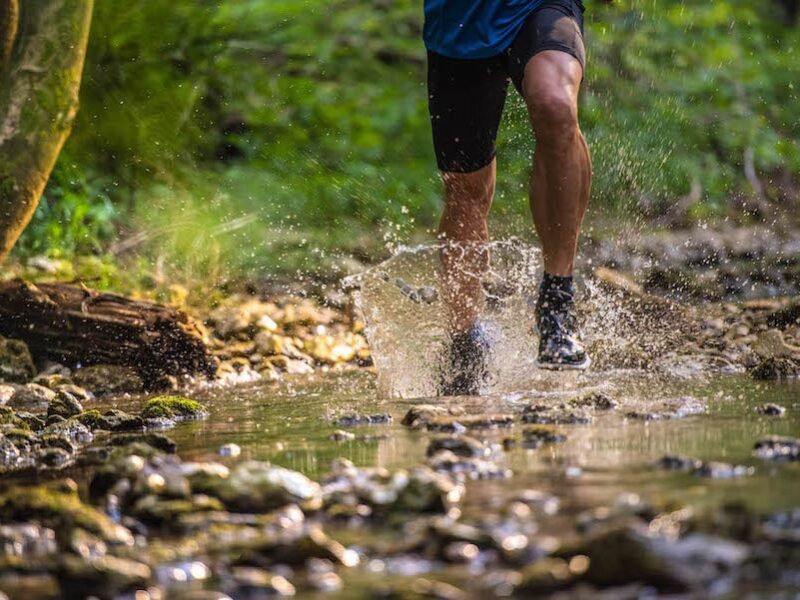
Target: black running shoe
559 347
466 369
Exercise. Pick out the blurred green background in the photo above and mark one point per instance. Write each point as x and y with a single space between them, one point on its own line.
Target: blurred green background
246 138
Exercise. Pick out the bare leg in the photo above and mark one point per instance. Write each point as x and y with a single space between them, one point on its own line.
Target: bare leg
562 170
467 200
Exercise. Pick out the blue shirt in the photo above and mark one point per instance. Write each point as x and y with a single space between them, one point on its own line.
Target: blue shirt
474 28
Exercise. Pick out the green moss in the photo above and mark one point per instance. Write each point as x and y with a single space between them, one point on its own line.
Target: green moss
172 407
93 420
58 505
9 417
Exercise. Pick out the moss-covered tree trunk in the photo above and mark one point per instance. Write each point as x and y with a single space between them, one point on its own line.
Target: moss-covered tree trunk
42 47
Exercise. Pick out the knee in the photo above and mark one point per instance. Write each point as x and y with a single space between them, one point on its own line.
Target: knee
468 194
554 115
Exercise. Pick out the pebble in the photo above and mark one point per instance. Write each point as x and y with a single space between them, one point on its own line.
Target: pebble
230 450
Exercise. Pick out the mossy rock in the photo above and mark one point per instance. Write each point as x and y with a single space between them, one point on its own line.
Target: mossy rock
104 577
158 441
57 505
64 405
16 363
172 407
9 417
93 419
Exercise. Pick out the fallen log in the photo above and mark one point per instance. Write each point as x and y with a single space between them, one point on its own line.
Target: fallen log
75 325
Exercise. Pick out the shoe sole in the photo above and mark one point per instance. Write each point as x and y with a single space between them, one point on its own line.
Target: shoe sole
550 366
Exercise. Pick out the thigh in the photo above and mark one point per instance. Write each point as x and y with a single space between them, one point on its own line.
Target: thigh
465 100
555 25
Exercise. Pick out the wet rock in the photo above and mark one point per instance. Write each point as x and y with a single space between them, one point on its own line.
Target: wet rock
459 424
353 420
9 417
342 436
16 363
628 553
466 467
554 415
462 445
313 543
783 527
53 458
230 450
596 400
173 407
678 408
252 582
721 470
778 448
163 512
785 316
31 396
104 576
679 463
80 394
121 421
70 428
64 405
551 575
108 379
7 392
770 409
534 437
710 469
51 380
771 344
776 368
57 505
418 490
27 540
156 440
254 486
418 415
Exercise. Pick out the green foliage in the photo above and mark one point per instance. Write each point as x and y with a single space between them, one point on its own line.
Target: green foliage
266 135
75 216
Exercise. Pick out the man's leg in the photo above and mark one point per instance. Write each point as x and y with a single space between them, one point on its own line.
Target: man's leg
562 170
559 194
467 200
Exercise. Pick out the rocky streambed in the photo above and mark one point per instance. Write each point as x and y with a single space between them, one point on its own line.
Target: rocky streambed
671 472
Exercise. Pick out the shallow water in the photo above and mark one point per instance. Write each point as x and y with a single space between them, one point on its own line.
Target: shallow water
289 424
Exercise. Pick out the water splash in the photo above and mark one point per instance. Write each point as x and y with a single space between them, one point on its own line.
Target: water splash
401 303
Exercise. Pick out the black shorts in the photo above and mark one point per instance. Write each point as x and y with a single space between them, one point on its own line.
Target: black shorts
466 96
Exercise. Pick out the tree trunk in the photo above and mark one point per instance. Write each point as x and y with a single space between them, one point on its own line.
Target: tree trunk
38 100
75 325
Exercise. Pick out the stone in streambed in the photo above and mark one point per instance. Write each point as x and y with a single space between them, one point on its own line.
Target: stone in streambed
771 410
459 424
31 396
778 448
776 368
418 415
173 407
155 440
103 576
254 486
64 405
465 446
534 437
58 506
16 363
